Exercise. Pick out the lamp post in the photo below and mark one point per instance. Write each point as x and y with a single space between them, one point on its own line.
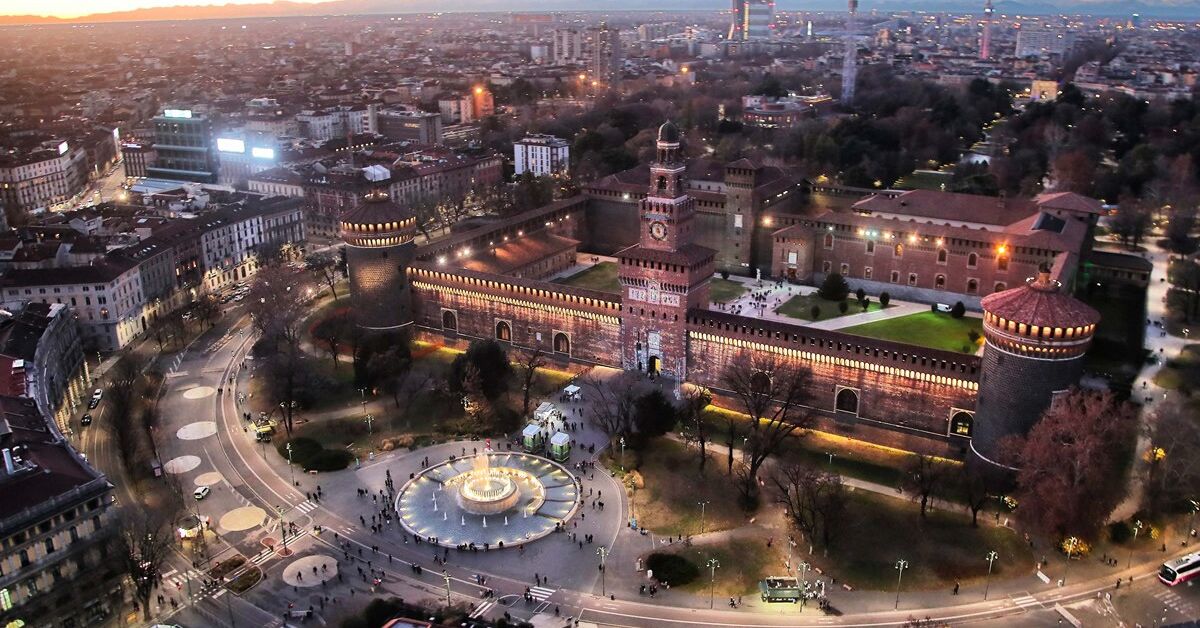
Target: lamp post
1137 527
622 454
370 430
291 469
446 577
602 553
712 580
1191 521
1072 543
702 504
992 556
901 565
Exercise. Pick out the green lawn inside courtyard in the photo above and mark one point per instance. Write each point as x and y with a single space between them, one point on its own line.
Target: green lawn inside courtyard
725 290
800 306
602 277
878 530
925 329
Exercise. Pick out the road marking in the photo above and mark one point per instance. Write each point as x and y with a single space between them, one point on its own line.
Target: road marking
1027 601
541 594
177 374
306 506
170 573
219 593
482 609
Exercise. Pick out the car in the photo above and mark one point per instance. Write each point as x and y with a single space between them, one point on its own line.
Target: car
97 394
86 420
202 492
943 308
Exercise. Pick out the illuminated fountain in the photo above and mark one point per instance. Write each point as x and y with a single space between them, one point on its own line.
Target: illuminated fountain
488 484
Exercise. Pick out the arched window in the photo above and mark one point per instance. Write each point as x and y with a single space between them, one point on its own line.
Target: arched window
939 282
898 251
760 383
912 279
449 321
662 184
870 247
961 424
847 401
942 256
1002 262
1000 287
503 331
562 344
972 260
972 286
829 240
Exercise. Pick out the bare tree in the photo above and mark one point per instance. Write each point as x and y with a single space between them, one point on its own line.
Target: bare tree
531 360
772 393
814 500
691 415
144 541
974 484
1173 476
925 477
325 266
613 403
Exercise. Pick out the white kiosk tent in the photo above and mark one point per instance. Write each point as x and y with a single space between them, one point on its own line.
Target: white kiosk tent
546 413
573 392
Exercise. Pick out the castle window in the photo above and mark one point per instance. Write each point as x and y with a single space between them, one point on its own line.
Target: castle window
972 286
941 256
870 247
845 269
972 260
1002 263
939 282
562 343
895 276
449 320
898 251
826 266
829 240
503 331
912 279
1000 287
867 272
846 400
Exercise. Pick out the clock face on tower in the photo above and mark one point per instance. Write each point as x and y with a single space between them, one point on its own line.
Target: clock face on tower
658 230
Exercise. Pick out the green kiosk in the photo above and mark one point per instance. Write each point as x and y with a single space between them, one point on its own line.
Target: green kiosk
560 446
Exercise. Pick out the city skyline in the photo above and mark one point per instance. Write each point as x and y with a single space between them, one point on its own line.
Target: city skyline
83 10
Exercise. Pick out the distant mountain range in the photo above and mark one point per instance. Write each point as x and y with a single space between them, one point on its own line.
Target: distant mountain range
1177 9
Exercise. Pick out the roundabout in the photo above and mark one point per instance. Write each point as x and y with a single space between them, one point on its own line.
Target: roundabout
488 500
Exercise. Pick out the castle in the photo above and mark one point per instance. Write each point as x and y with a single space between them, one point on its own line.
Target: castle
456 289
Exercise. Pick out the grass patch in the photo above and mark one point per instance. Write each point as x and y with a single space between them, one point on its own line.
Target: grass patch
226 567
743 561
943 549
924 180
925 329
724 290
602 277
309 454
800 307
673 568
669 502
244 582
1181 372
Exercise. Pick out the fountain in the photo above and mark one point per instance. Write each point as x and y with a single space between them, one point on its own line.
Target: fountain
486 490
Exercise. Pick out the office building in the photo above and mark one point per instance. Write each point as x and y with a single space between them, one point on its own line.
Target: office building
185 146
752 20
413 126
605 63
542 155
1039 42
567 46
39 176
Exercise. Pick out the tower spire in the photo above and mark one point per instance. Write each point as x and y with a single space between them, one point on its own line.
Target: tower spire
985 39
850 60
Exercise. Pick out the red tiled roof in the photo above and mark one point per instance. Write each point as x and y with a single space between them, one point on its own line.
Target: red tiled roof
1041 303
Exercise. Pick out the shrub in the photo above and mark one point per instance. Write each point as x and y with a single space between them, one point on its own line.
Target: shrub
884 299
861 294
973 335
672 568
329 460
834 288
816 312
843 307
725 275
302 449
865 303
1119 532
958 310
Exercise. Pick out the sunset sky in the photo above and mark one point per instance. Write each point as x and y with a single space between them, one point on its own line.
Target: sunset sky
74 8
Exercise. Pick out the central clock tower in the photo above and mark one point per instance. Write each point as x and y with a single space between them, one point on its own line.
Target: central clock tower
665 274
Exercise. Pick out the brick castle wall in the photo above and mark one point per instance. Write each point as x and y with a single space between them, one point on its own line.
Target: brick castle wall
381 293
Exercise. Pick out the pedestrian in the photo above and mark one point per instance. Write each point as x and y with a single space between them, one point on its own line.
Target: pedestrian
1118 584
956 588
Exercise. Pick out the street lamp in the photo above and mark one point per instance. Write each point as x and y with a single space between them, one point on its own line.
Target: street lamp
702 504
622 454
446 577
712 580
992 556
291 469
901 565
1191 520
1137 527
1072 543
602 553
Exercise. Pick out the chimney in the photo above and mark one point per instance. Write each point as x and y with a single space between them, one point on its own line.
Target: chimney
9 467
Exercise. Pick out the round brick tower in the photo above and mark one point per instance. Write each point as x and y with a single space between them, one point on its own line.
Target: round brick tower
1036 337
379 247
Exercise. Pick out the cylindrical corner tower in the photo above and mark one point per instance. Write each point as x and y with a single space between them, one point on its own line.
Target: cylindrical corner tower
1036 338
379 247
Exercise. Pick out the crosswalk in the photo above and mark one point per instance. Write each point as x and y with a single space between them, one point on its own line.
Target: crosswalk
1027 601
305 506
541 594
1176 603
179 579
482 609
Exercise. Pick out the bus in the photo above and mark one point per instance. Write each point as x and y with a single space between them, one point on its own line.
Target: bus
1180 570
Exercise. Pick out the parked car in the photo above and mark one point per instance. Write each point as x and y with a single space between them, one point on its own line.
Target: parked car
202 492
95 400
86 420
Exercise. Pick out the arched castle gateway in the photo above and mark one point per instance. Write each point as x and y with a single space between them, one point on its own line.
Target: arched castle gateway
491 283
